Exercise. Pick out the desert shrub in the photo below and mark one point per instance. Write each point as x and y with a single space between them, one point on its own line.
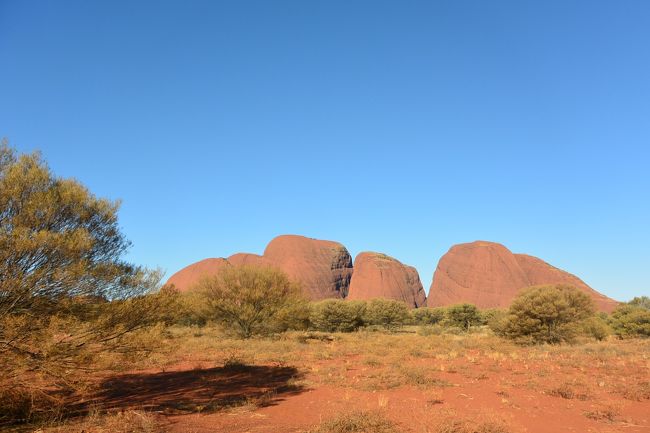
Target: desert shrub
333 315
595 327
463 316
641 302
357 422
251 300
492 314
191 310
428 316
66 294
386 313
547 314
631 319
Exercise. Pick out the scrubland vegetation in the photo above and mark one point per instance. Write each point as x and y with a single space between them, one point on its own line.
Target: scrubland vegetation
90 343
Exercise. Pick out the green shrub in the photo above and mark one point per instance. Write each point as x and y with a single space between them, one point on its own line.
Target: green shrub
333 315
428 316
492 315
251 300
596 328
631 320
547 314
463 316
387 313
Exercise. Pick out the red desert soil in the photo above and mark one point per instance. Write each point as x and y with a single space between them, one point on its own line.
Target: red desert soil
323 268
380 276
489 275
602 387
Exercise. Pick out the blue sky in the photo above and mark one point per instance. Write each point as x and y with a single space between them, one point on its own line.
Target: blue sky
402 127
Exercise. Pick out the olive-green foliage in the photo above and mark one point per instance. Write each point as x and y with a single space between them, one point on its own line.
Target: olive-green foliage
491 315
547 314
387 313
428 316
191 309
251 300
632 319
333 315
463 316
66 294
595 327
641 302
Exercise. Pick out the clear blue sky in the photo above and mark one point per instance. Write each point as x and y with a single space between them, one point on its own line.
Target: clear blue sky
402 127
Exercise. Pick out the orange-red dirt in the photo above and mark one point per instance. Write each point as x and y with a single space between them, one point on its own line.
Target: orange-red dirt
532 390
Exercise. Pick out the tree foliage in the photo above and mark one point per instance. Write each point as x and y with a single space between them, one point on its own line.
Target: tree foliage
427 315
66 294
547 314
251 300
463 316
332 315
387 313
632 319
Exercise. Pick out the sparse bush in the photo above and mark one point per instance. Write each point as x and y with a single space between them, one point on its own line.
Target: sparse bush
333 315
387 313
428 316
547 314
463 316
251 300
491 315
596 328
631 319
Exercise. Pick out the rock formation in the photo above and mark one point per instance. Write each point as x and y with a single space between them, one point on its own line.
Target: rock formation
189 276
489 275
323 268
380 276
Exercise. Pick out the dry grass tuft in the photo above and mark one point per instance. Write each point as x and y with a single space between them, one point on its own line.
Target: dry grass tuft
131 421
482 424
357 422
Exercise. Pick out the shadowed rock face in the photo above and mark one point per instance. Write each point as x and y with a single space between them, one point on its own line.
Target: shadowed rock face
489 275
380 276
323 268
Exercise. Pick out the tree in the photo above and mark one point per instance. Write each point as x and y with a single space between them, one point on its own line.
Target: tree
632 319
547 314
463 316
428 316
66 294
387 313
249 300
337 315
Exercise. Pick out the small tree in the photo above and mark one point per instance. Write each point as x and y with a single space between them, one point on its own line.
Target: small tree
632 319
66 294
249 300
387 313
428 316
463 316
547 314
337 315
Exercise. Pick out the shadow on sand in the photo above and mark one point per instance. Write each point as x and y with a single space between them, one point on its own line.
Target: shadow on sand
199 390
